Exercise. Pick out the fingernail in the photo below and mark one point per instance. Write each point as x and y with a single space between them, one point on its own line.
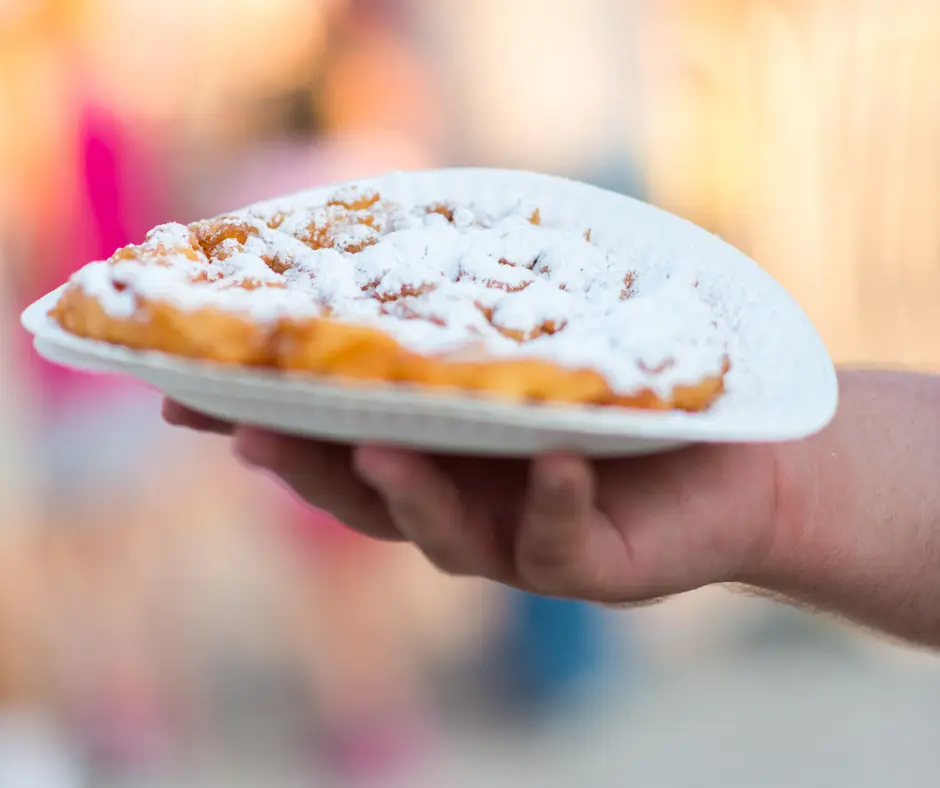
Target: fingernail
554 484
171 414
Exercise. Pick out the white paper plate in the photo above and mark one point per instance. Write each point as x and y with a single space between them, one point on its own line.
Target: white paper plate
782 384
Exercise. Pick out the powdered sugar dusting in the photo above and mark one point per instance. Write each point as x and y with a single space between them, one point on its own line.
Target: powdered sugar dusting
459 280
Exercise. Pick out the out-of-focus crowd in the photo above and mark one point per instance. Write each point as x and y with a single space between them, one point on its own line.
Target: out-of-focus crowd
148 585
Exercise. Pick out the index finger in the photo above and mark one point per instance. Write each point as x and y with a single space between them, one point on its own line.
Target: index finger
177 415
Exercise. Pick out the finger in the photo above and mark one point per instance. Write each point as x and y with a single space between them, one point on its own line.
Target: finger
177 415
426 506
321 474
552 543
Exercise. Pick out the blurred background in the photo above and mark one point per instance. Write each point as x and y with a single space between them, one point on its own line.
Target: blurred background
167 619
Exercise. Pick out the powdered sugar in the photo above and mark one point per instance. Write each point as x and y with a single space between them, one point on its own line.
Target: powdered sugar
461 280
781 385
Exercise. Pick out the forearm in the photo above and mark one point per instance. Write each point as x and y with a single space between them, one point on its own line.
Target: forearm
858 531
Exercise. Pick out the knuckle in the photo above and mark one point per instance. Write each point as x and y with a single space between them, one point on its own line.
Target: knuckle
445 561
367 526
308 492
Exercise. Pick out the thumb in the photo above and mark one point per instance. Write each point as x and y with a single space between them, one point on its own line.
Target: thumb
552 550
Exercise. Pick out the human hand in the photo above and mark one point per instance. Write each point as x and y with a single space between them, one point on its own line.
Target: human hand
611 531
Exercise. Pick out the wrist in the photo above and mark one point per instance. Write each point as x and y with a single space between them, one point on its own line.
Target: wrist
795 502
830 516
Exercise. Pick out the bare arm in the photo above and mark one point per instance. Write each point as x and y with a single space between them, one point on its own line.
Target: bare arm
858 530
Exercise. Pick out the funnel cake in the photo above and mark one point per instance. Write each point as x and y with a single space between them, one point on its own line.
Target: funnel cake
444 296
